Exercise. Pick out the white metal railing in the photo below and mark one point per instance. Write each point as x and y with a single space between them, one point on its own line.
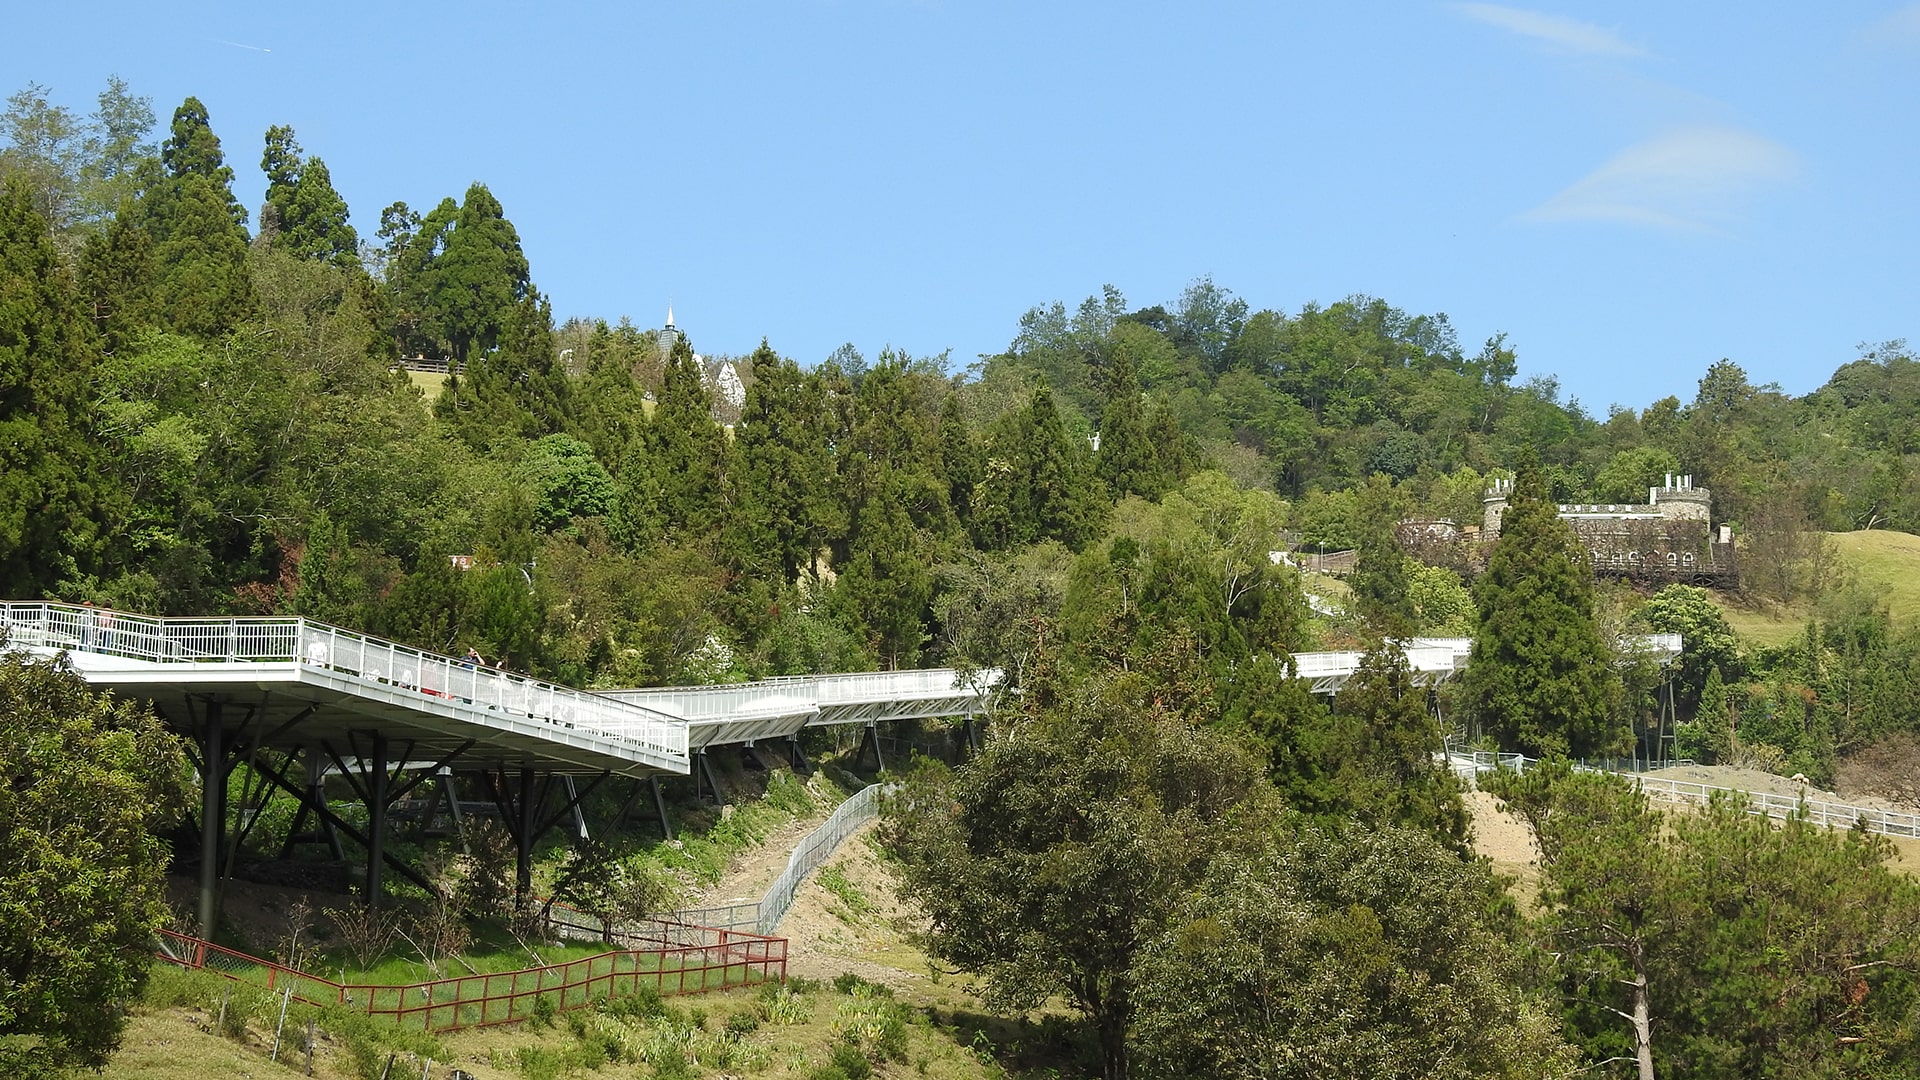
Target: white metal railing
882 685
1690 793
1820 812
817 848
763 916
802 695
742 700
379 663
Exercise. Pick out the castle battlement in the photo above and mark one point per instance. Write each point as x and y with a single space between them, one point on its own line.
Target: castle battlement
1669 534
1675 500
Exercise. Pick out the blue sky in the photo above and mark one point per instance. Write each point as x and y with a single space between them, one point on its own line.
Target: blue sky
1630 191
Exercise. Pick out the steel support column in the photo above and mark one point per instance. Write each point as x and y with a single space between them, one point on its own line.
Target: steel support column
660 807
705 780
871 737
579 815
376 817
213 814
523 837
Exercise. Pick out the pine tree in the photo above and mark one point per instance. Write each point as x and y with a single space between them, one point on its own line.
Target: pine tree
1126 461
783 472
480 277
673 478
959 458
515 392
281 163
310 217
885 583
1708 737
1379 580
197 232
1039 483
1540 678
1392 777
414 246
116 279
52 494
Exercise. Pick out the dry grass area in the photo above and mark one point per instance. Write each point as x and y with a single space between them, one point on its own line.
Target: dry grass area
1887 563
1507 843
429 382
177 1044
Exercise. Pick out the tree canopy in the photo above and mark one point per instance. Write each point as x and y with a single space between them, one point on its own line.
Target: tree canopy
82 872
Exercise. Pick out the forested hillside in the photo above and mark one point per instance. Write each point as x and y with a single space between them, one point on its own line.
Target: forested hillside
203 409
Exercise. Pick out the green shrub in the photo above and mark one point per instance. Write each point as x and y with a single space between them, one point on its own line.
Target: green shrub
848 983
539 1063
645 1002
368 1041
851 1062
744 1022
672 1064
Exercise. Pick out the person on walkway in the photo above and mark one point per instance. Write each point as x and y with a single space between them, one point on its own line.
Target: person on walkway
472 662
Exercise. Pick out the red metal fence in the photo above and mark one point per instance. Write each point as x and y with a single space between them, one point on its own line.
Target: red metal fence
672 957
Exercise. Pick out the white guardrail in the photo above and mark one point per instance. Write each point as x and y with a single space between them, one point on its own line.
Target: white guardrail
1690 793
763 917
279 639
817 848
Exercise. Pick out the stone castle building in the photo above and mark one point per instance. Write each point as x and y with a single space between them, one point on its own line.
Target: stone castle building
1669 537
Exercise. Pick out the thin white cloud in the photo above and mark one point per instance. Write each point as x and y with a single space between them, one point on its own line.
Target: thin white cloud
1686 179
1900 28
1558 31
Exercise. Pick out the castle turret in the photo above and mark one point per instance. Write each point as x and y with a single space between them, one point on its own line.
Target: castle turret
1679 500
669 335
1496 506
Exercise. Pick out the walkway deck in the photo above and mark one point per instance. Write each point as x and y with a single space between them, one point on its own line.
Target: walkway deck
1436 660
777 708
297 681
301 681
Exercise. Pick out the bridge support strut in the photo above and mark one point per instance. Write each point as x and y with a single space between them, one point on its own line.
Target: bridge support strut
213 814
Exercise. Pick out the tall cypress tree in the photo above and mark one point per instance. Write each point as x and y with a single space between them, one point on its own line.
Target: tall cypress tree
783 471
1126 460
50 491
885 583
116 278
1391 776
1379 579
1049 490
672 479
479 276
516 391
1541 678
197 230
309 216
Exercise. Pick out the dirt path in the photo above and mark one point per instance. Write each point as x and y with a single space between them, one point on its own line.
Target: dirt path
858 925
747 879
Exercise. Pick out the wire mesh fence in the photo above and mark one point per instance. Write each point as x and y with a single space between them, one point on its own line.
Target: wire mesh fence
673 958
1692 793
817 848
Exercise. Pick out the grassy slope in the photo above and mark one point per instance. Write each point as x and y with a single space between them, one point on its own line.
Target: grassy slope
1887 562
178 1043
429 382
172 1036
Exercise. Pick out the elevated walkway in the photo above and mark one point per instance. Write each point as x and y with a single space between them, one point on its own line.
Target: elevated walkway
1436 660
302 682
745 713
